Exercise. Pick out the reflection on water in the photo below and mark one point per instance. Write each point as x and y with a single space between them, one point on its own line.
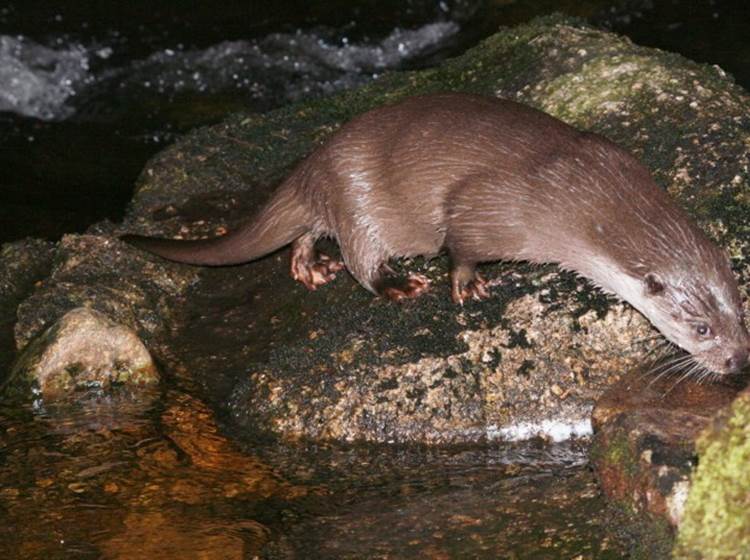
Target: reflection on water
130 478
149 475
519 500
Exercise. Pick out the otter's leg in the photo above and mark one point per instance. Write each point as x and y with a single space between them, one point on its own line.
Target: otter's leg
311 267
396 288
467 283
366 257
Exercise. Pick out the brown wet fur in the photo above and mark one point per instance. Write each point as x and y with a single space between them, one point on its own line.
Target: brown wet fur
487 179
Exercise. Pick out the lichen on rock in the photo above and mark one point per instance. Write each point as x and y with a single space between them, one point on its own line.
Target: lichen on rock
716 522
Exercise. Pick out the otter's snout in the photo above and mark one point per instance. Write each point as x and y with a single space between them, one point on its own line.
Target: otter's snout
737 361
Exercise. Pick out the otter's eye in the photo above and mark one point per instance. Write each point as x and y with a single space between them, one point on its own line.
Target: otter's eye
702 329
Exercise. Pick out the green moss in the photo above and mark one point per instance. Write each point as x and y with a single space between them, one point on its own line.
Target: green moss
716 523
605 82
616 454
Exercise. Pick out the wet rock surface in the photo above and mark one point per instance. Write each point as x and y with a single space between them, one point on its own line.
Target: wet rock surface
436 374
83 350
650 436
645 442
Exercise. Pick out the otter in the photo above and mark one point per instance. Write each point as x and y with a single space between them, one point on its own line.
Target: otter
488 179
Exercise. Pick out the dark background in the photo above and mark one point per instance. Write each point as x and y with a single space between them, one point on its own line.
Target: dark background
58 177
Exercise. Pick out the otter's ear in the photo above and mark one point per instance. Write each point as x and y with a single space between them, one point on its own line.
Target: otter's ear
653 284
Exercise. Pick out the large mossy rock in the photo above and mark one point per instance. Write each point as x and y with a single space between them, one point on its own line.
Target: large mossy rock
651 432
533 358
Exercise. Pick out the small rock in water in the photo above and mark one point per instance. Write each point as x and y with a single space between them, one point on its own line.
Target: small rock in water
85 349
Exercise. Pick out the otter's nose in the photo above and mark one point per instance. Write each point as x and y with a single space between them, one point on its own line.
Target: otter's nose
737 360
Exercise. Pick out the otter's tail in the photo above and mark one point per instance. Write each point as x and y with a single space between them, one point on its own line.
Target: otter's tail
278 223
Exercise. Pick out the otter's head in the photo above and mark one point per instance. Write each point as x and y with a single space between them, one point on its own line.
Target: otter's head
700 311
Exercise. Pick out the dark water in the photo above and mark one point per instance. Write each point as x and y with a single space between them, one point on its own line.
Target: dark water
151 476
